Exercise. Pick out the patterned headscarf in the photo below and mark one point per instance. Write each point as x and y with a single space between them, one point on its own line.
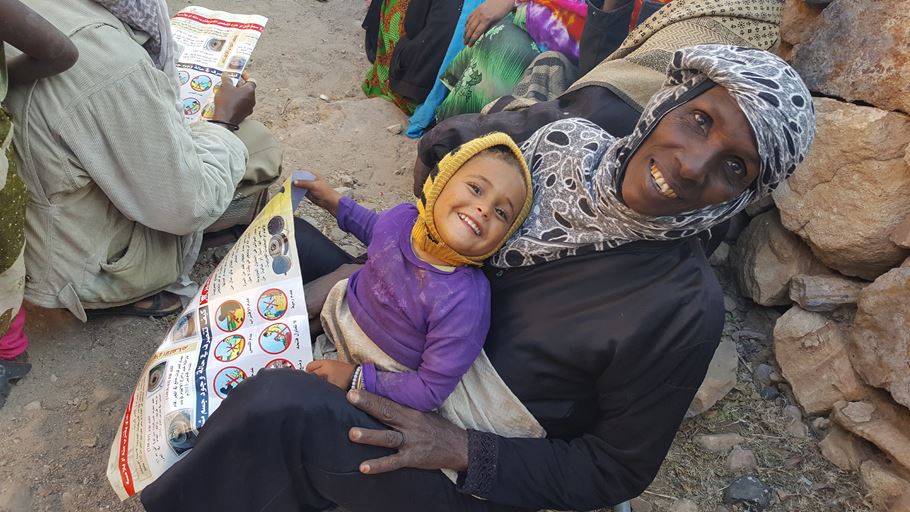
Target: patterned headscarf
578 168
149 16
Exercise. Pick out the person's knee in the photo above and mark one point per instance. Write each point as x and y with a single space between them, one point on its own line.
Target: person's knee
279 389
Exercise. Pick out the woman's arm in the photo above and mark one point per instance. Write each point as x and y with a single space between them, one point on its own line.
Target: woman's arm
45 50
615 461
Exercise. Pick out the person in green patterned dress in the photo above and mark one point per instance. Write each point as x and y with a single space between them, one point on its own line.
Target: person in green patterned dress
45 52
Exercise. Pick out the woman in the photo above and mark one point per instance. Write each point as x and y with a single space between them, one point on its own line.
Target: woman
606 348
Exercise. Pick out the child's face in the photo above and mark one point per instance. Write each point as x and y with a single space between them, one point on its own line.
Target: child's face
478 205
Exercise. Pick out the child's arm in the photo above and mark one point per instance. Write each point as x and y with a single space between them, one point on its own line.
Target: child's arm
457 331
45 50
321 193
352 217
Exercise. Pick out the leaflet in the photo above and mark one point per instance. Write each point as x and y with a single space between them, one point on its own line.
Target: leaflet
249 315
210 43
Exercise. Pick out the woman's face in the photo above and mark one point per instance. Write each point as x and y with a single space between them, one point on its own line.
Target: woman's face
701 153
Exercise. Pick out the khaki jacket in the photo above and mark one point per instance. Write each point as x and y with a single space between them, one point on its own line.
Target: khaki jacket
119 184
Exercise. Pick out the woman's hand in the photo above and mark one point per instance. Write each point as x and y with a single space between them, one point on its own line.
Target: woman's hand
321 193
234 103
336 372
424 440
484 16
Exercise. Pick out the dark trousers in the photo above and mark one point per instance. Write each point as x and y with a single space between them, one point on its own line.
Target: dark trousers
280 443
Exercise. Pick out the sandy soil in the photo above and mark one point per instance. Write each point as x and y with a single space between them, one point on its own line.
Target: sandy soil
56 429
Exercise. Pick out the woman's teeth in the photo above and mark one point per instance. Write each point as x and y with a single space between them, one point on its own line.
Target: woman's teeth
665 189
467 220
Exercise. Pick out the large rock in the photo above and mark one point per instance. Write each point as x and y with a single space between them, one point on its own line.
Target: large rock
859 51
824 293
766 256
719 381
851 192
844 449
885 486
881 422
797 21
881 334
812 353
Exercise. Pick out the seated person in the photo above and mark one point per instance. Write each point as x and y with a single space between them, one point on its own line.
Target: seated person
120 186
411 323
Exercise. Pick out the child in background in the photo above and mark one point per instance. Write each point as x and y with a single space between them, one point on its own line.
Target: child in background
412 321
45 52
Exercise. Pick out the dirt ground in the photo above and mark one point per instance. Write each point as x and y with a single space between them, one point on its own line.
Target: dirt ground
57 427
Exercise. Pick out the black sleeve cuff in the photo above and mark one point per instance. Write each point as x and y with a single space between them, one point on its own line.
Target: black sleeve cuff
483 455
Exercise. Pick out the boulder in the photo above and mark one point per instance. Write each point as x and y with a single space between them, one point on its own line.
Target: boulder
844 449
797 21
885 486
719 381
812 353
881 422
880 347
824 293
857 51
767 256
851 192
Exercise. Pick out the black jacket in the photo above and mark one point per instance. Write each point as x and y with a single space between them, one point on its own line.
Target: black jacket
607 351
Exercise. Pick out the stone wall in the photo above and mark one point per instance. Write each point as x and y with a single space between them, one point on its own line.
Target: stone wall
836 249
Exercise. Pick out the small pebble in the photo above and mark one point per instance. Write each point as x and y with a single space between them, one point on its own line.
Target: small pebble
33 406
762 375
323 97
741 460
749 490
53 378
345 191
394 128
820 423
347 180
796 427
719 443
769 393
89 442
683 505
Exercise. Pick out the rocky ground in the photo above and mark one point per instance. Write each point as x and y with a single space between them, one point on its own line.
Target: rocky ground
56 429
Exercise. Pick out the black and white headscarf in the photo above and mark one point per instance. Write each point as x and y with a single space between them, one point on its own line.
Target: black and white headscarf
578 168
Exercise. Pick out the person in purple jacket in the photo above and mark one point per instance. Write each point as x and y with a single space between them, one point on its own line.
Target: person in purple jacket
411 323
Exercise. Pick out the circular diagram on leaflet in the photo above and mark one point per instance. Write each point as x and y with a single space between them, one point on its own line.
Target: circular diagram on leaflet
191 106
201 83
230 316
230 348
272 304
209 110
279 363
183 76
275 338
226 380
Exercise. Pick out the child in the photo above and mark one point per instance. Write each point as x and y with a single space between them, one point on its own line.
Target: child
415 317
45 51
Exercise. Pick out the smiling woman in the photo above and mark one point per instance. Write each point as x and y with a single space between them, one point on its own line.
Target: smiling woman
728 126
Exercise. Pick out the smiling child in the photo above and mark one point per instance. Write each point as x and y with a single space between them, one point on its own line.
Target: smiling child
411 323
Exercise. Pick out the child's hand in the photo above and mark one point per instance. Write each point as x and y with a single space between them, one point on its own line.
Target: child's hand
335 372
320 192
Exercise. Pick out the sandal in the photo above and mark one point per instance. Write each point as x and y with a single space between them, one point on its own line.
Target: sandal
10 373
158 305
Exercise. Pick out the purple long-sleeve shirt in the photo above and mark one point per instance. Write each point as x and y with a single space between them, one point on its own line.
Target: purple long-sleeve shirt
431 320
